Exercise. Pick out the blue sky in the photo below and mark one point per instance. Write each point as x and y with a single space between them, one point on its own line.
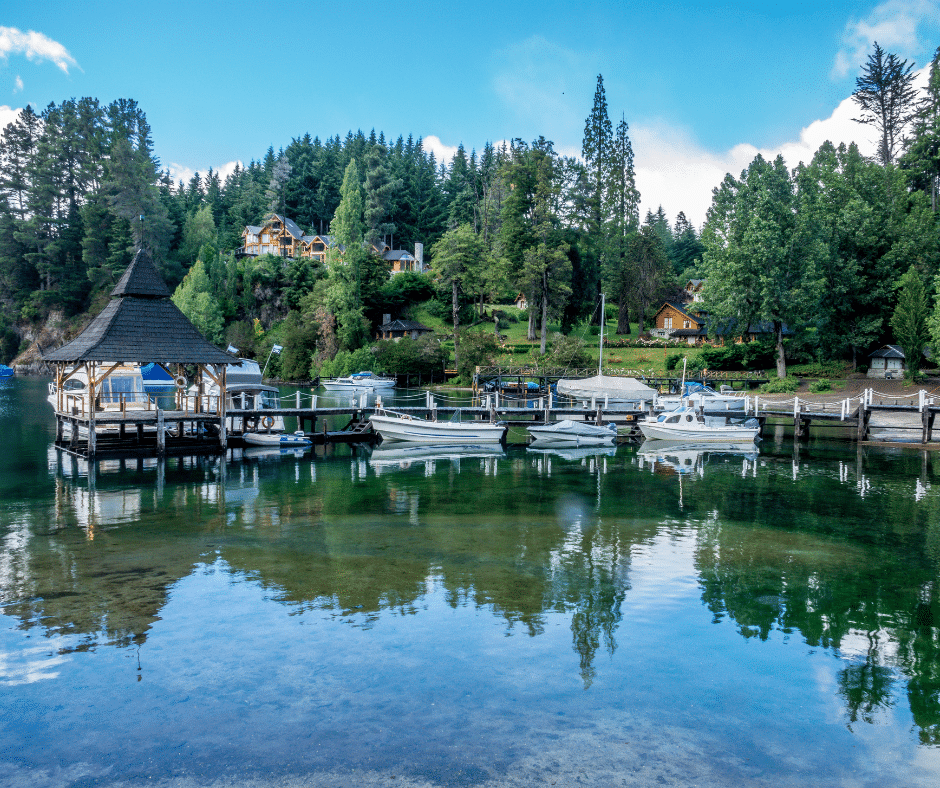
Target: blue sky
704 86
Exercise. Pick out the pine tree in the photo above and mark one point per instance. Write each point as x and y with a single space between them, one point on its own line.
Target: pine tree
885 94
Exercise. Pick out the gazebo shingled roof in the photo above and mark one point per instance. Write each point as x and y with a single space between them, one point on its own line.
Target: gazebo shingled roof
140 324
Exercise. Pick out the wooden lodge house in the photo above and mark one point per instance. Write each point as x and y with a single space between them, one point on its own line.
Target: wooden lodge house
279 235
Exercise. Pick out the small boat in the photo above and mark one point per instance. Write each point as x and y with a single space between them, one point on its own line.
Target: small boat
5 371
698 395
284 440
394 426
360 381
123 387
574 433
685 424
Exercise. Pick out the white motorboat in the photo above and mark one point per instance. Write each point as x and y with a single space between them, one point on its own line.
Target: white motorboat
123 387
245 392
573 433
698 395
687 425
360 381
394 426
284 440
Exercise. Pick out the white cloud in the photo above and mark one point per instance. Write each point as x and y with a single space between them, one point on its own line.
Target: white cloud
36 46
674 171
442 153
8 115
18 84
180 172
893 24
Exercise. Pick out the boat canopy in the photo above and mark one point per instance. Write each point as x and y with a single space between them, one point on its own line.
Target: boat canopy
601 386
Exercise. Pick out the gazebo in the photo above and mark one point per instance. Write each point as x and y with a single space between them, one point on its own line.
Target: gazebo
140 325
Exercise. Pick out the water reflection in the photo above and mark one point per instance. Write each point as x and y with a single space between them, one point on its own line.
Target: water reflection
585 553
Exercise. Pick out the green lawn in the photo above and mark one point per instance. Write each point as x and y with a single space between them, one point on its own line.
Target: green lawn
650 360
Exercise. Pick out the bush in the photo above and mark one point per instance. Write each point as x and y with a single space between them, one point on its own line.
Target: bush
477 349
819 386
424 355
787 385
566 352
672 361
824 369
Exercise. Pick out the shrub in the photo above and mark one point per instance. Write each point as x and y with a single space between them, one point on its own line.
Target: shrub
423 355
787 385
819 386
672 361
346 363
566 352
823 369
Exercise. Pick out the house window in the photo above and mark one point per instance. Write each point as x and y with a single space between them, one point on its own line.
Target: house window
264 238
687 324
667 322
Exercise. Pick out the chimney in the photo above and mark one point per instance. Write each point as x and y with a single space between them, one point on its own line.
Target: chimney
386 319
419 256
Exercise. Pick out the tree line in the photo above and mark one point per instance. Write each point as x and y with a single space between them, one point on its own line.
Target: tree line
80 189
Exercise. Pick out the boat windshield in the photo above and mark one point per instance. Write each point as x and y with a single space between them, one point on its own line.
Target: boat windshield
128 387
267 399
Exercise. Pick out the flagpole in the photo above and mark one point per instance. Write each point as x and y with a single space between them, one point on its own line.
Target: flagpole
266 362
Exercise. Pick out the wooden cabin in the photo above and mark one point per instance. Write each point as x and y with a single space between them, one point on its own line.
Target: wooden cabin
396 329
693 290
521 302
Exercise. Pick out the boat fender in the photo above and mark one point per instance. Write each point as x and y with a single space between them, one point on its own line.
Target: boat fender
267 422
180 382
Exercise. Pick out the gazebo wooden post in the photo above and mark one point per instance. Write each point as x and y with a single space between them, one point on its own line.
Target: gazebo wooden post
223 436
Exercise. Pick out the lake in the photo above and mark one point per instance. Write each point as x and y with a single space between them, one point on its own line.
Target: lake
346 616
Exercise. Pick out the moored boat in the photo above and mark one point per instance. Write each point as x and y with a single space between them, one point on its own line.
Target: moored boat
685 424
5 371
360 381
394 426
697 395
284 440
574 433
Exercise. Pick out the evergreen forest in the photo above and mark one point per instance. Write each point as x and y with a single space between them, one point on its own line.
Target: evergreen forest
834 256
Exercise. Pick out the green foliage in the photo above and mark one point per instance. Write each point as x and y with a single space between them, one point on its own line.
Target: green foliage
424 355
822 369
566 352
909 321
738 356
819 386
787 385
298 335
347 362
673 360
477 349
194 299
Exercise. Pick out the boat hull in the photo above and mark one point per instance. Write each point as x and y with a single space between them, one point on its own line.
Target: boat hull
572 433
396 428
670 432
277 439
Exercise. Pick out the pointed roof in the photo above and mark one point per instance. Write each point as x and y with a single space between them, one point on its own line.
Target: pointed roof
140 324
141 279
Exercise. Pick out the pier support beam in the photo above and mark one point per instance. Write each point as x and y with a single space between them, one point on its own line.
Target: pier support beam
927 417
864 415
161 434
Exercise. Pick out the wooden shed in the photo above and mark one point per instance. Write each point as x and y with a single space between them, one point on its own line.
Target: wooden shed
887 362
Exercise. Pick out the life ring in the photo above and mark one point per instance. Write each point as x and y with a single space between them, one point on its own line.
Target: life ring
267 422
180 382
